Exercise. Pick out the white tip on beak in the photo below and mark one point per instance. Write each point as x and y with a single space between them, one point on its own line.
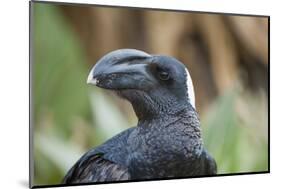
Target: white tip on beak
91 80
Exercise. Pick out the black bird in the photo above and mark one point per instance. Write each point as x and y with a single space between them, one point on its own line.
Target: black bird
167 140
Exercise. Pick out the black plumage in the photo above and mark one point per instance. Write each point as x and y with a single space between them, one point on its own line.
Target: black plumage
167 140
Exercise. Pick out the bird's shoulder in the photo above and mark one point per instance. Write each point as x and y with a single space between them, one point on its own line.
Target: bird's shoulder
209 163
114 149
103 163
96 169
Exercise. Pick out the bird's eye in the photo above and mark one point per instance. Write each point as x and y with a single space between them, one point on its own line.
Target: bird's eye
163 75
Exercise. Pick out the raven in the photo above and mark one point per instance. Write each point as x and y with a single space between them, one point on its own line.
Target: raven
166 142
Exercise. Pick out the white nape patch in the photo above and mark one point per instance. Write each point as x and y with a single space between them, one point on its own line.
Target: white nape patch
190 89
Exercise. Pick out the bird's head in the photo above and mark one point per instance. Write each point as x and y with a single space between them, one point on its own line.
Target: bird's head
154 84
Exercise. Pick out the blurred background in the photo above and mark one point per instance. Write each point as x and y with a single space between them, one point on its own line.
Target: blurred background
227 57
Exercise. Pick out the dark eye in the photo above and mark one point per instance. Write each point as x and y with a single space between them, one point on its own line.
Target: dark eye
163 75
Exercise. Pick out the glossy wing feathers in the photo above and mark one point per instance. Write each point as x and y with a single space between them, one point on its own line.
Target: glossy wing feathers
95 169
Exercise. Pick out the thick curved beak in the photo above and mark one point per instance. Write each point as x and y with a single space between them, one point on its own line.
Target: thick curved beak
121 69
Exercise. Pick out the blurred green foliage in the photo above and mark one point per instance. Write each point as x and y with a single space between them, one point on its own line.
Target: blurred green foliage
70 118
237 146
59 90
